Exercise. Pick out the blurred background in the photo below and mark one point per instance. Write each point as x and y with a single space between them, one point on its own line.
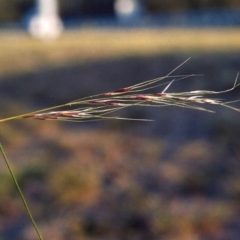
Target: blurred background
176 178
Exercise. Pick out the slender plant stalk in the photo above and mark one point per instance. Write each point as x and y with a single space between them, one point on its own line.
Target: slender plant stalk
20 192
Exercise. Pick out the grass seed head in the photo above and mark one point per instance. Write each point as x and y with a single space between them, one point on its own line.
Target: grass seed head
102 106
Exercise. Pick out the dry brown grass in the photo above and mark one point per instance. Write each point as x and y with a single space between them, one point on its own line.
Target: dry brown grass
20 53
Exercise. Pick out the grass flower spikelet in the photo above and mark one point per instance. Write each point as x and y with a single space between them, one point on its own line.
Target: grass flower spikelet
103 106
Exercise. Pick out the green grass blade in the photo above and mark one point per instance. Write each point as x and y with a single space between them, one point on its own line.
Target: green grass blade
20 192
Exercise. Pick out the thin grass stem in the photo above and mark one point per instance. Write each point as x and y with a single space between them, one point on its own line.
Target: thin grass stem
20 193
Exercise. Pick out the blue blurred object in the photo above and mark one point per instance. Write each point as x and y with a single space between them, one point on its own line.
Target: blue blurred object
189 18
186 19
198 18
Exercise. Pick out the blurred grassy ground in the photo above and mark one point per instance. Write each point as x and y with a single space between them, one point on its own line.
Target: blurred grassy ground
20 53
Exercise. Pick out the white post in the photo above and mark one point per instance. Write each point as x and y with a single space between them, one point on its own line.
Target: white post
126 9
46 23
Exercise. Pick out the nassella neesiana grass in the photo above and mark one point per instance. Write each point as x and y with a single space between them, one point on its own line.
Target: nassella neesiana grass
102 106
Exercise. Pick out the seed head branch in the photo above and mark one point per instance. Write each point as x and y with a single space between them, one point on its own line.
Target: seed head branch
104 106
